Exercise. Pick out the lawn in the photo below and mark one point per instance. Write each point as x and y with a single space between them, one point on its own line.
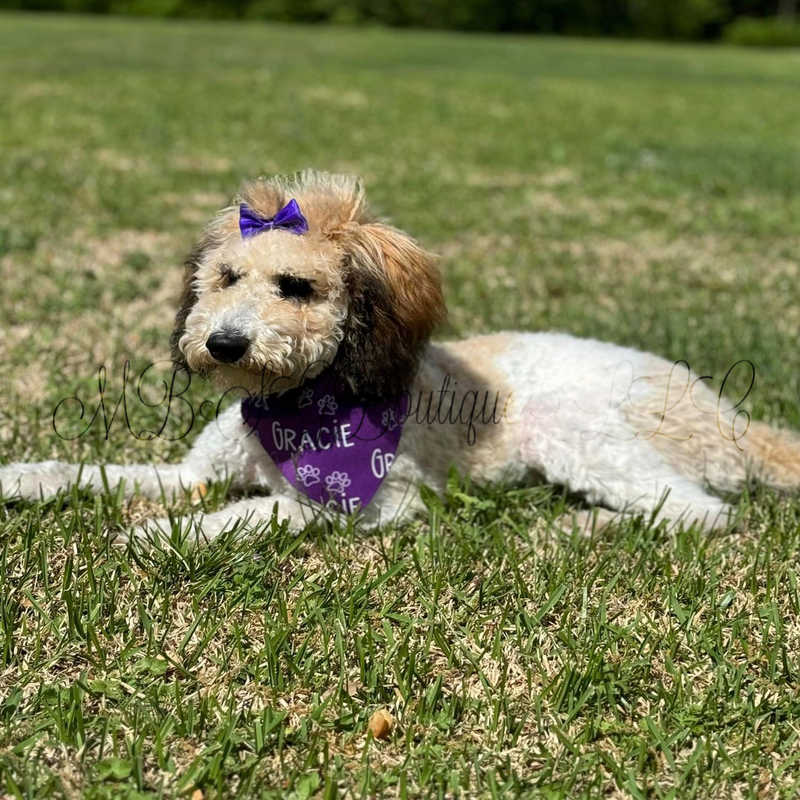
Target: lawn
639 193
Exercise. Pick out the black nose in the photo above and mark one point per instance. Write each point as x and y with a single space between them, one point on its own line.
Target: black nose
227 346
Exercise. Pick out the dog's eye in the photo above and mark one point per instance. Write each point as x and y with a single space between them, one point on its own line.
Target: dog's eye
295 288
229 276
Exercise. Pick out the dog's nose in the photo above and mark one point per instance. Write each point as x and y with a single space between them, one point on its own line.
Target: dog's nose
227 346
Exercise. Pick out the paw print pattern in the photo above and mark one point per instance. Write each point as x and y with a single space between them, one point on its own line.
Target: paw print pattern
389 420
337 482
308 475
327 405
306 398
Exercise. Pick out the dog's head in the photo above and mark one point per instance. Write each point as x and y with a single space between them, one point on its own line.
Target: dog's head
349 291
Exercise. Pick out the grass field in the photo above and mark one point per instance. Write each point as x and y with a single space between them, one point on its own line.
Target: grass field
634 192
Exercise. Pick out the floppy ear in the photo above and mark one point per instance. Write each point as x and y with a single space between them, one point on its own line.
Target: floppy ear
395 302
188 296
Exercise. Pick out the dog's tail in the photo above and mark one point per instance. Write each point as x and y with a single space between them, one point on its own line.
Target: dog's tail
765 455
772 456
728 452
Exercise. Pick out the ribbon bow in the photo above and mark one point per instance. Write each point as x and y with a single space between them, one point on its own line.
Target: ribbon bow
289 218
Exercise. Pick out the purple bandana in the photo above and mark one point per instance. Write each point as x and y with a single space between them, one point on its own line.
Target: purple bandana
330 447
289 218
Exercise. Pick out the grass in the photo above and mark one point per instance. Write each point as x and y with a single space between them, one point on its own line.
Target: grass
639 193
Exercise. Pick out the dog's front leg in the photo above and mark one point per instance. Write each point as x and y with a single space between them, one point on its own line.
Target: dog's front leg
239 518
225 449
42 480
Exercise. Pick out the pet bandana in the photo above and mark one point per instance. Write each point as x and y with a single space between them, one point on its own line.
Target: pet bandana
289 218
330 447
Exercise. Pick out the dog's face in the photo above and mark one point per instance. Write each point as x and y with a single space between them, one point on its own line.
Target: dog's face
274 309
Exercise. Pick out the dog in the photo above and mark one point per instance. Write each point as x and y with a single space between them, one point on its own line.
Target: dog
297 283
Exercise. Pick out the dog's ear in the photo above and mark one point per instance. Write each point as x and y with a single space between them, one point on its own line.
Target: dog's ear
188 296
395 302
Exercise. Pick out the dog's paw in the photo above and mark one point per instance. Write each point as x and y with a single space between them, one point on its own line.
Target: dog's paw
587 521
152 531
195 529
34 481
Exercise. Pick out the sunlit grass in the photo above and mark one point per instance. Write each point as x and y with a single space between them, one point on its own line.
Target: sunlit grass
638 193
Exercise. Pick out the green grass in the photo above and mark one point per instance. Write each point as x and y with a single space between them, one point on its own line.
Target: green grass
640 193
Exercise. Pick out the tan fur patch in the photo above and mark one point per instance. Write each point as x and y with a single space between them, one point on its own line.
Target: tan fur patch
495 410
778 453
721 448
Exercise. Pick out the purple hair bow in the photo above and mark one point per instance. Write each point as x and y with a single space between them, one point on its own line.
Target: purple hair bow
289 218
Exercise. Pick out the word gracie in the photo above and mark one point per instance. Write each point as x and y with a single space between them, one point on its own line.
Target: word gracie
324 438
